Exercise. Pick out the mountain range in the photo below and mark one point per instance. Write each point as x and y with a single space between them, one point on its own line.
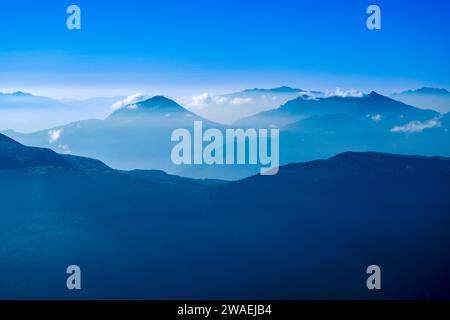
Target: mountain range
427 98
307 233
371 105
26 112
137 136
228 108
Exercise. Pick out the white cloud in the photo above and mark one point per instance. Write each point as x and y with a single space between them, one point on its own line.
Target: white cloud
129 102
417 126
239 101
54 135
376 117
65 148
201 100
346 93
205 99
220 99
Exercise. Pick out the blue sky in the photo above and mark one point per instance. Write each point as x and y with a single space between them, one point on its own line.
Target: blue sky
179 46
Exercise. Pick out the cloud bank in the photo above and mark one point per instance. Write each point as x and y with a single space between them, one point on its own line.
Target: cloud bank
346 93
129 102
417 126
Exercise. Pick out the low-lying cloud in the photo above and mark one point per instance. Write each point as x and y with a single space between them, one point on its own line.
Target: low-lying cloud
54 135
205 99
346 93
239 101
376 117
129 102
417 126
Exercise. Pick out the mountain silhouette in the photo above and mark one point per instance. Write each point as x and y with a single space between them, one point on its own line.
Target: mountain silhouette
428 98
155 105
15 155
135 136
392 111
138 135
25 112
428 90
323 127
23 100
283 89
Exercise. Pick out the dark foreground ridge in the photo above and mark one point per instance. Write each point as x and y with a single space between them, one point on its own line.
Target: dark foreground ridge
307 233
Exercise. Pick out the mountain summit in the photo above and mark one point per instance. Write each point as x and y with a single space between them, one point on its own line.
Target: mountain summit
373 104
158 105
135 136
283 89
17 94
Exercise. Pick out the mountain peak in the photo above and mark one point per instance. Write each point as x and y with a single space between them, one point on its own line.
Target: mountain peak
374 94
156 104
282 89
17 94
158 101
21 94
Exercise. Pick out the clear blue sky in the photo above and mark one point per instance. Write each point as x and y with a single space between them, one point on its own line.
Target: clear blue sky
222 44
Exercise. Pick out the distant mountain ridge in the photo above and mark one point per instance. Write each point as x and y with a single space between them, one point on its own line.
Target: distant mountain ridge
135 136
138 135
17 93
228 108
371 104
282 89
25 100
26 112
428 90
427 98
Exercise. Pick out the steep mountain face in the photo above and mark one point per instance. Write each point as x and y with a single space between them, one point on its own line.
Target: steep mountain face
13 155
136 136
426 98
308 232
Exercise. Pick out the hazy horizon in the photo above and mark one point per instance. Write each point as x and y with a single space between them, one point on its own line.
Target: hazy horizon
141 47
